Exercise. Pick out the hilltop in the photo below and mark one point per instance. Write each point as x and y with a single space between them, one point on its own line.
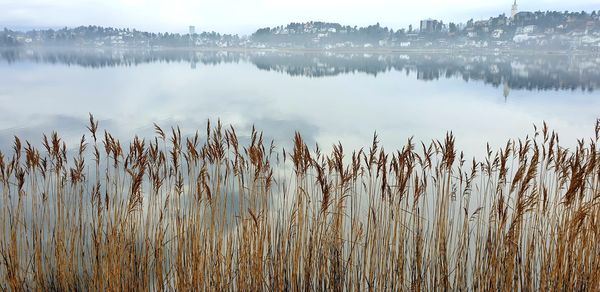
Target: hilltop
525 30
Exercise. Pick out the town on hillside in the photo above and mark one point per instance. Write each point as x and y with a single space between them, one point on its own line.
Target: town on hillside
550 30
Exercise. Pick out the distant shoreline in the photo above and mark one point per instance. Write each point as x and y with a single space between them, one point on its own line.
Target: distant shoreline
320 50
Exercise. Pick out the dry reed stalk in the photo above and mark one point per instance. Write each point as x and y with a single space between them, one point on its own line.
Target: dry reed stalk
215 213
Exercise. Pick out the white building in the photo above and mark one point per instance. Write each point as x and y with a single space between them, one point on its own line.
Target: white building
514 10
497 33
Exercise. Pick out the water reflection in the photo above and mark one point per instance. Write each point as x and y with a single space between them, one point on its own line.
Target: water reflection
420 95
526 71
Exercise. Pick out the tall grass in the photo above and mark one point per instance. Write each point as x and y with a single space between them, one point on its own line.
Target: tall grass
212 214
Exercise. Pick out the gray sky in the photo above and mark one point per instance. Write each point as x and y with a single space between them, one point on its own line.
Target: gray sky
244 16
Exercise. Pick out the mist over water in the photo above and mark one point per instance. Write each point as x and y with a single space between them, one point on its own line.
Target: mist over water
452 152
328 97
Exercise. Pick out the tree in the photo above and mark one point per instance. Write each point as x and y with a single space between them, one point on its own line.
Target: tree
452 27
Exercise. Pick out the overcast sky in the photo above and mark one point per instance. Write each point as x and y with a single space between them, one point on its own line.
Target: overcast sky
244 16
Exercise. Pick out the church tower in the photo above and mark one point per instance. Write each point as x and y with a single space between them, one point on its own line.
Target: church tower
515 10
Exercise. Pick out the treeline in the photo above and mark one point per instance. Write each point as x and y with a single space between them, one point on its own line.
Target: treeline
310 32
550 29
512 71
109 36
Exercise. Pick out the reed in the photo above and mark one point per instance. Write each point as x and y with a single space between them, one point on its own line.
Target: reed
208 212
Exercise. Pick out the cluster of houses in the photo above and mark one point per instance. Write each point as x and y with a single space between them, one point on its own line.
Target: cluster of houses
521 30
550 30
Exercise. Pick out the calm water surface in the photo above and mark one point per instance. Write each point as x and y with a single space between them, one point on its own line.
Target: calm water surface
326 97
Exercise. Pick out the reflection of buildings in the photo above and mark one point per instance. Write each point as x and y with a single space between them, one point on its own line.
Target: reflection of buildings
505 72
193 63
193 60
506 90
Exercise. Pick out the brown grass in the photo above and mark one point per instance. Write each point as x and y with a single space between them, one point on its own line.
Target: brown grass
208 213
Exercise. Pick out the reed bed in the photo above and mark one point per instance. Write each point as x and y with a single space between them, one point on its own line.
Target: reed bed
207 212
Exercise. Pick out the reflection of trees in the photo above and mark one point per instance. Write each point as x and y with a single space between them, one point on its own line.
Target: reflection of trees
318 65
117 58
530 72
517 72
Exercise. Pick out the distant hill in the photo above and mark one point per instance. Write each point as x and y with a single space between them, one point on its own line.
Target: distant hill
550 30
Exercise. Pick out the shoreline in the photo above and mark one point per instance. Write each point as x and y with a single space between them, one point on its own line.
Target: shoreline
380 51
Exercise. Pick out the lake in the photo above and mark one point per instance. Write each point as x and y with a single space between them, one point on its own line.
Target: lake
327 97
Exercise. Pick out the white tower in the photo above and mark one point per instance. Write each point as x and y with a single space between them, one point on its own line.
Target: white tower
192 35
515 10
